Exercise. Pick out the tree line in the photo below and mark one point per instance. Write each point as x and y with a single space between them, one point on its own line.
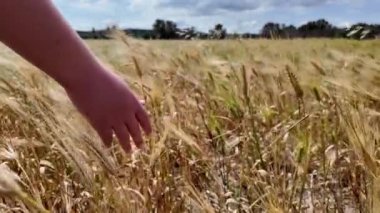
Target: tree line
167 29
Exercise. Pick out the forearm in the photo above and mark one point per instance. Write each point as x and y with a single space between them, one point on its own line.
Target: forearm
37 31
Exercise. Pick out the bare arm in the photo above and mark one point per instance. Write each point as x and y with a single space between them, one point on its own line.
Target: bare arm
37 31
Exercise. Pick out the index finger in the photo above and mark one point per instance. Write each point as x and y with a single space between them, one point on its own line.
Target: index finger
143 118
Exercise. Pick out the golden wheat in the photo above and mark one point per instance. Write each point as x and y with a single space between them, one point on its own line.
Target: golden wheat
233 132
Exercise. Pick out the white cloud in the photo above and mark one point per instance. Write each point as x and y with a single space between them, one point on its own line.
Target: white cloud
205 7
89 5
236 15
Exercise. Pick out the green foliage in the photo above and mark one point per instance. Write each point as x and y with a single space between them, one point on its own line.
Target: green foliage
219 32
319 28
165 29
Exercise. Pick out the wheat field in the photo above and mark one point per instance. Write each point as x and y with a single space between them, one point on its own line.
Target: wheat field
239 126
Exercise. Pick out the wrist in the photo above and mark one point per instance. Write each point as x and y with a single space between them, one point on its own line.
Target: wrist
80 75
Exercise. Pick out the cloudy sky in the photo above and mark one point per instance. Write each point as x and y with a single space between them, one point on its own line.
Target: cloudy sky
236 15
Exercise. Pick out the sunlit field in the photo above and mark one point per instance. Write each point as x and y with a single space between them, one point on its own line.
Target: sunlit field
239 126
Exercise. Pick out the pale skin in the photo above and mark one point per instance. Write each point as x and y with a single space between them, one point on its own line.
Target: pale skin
39 33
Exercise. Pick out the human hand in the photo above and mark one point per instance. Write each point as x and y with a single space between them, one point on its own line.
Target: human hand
56 49
110 107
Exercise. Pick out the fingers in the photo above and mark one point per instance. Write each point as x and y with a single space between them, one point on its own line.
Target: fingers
143 119
105 134
123 131
123 136
134 129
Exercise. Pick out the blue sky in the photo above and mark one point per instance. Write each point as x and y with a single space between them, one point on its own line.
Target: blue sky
236 15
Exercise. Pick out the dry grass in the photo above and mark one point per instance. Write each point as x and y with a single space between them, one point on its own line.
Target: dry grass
240 126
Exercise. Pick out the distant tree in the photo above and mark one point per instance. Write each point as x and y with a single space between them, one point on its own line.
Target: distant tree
289 31
363 31
171 29
165 29
246 35
201 35
159 28
219 32
111 28
187 33
94 33
271 30
235 36
319 28
146 37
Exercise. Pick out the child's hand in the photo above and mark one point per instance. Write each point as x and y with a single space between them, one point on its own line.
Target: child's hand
110 106
57 50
